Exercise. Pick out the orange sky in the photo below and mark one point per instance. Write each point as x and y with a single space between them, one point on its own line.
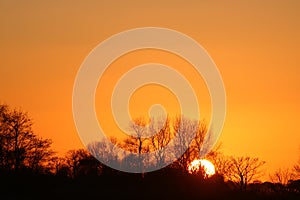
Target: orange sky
255 45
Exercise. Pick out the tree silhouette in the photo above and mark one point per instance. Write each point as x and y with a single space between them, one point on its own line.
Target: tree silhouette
78 174
282 176
107 153
221 163
161 137
189 141
73 160
297 169
198 141
4 150
57 166
20 147
40 154
244 170
184 129
137 143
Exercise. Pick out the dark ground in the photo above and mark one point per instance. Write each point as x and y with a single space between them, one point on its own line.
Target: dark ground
154 186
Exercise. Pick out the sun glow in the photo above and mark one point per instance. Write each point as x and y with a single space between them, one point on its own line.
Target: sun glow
207 166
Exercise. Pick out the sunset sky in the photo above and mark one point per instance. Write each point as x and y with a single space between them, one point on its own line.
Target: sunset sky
255 45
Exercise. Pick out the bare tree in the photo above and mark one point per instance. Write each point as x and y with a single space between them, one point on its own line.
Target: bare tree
282 176
162 136
139 142
20 136
197 144
56 165
73 160
106 152
4 137
244 170
221 163
19 146
40 154
297 170
184 129
188 143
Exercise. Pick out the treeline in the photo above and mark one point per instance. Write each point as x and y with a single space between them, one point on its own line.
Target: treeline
27 160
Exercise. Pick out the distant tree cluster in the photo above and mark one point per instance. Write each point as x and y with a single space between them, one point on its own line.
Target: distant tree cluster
22 151
244 172
161 133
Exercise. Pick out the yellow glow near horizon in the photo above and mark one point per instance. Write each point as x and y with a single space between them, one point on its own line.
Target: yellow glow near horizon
207 166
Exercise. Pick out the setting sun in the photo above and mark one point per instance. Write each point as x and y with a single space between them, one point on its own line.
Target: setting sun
207 166
149 99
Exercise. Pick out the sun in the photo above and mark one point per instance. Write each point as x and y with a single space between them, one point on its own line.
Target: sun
208 167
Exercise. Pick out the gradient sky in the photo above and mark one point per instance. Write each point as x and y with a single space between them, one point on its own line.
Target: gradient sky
255 45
